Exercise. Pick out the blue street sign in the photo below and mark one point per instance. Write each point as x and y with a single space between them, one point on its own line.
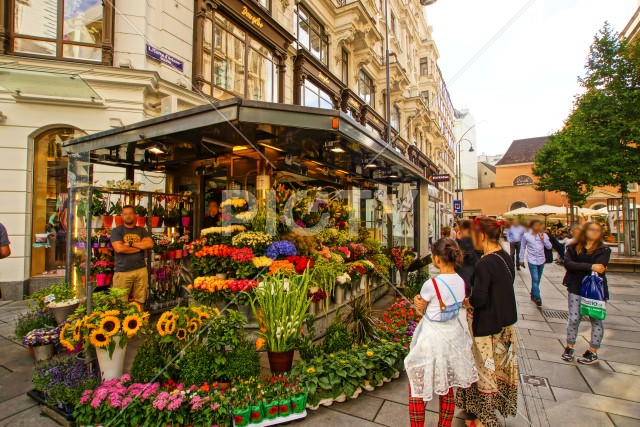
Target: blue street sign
457 206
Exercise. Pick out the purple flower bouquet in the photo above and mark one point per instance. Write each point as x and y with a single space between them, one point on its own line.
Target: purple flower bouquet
280 248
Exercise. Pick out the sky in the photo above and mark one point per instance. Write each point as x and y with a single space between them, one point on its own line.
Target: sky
524 84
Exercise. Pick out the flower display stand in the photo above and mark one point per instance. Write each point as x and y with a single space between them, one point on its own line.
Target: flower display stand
279 420
61 417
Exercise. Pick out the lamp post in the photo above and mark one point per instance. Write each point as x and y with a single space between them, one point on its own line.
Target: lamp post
459 191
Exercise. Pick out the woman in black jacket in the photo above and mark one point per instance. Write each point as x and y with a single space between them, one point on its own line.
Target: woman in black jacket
585 254
471 256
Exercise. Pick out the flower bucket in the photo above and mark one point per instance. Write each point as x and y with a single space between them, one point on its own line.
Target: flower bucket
185 253
178 254
155 221
118 220
340 296
61 313
101 279
96 221
172 254
298 403
107 221
95 245
114 367
222 276
271 409
284 407
109 278
141 221
280 361
186 221
242 417
43 352
257 413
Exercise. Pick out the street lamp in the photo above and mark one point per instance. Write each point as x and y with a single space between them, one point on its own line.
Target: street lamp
459 190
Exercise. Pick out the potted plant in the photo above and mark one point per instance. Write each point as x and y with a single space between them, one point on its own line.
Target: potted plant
107 329
59 298
225 333
115 210
283 303
81 271
42 340
172 213
157 213
32 320
103 269
241 291
186 217
97 210
402 258
141 211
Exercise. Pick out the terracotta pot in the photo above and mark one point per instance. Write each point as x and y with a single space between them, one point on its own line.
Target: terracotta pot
178 254
141 221
155 221
101 279
109 278
84 280
280 361
107 221
118 220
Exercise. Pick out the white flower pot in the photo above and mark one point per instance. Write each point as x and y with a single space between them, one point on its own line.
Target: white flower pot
339 296
96 222
43 352
111 367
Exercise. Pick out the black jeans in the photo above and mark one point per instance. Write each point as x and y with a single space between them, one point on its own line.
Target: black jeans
515 252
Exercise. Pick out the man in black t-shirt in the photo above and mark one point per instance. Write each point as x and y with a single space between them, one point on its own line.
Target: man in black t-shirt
213 215
129 243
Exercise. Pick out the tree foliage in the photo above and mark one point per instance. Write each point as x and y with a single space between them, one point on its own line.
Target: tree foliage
598 145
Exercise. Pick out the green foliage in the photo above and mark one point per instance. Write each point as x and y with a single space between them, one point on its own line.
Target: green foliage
306 348
148 361
63 379
27 322
140 210
337 338
62 291
244 361
360 321
415 280
598 144
195 366
224 334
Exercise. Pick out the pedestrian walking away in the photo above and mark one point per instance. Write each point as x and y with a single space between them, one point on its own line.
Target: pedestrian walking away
492 314
470 255
130 243
440 354
514 237
586 254
534 243
5 248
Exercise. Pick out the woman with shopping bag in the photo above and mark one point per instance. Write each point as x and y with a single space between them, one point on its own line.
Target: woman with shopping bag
586 262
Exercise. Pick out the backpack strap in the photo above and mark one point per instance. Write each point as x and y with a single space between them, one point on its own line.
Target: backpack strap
443 306
449 287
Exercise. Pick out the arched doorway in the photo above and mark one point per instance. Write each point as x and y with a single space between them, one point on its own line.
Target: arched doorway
517 205
49 201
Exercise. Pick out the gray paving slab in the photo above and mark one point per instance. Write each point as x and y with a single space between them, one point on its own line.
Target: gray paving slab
613 384
532 324
561 375
619 354
395 391
569 415
597 402
620 421
15 405
625 368
328 417
365 407
29 418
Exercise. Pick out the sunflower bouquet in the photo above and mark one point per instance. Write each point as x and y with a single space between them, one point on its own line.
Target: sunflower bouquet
181 324
111 322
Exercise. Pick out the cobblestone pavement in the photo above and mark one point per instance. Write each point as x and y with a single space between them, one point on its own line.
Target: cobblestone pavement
605 394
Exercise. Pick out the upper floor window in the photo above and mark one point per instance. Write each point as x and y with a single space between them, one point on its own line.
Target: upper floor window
236 64
366 90
395 117
345 66
313 96
310 34
266 4
424 66
61 29
392 26
523 180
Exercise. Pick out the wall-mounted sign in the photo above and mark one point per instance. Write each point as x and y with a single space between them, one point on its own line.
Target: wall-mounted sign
165 58
457 206
255 20
323 78
443 177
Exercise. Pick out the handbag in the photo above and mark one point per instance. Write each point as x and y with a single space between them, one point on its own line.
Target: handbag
447 312
592 301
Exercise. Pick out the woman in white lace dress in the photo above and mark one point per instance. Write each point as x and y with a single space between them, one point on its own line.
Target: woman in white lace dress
440 357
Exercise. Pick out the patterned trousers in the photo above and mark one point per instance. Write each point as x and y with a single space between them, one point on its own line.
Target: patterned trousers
445 416
573 324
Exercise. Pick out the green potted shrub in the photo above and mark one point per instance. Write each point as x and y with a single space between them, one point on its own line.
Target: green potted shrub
141 212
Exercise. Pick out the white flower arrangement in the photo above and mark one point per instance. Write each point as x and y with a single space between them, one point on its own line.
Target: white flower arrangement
343 279
235 202
229 229
124 184
245 216
252 239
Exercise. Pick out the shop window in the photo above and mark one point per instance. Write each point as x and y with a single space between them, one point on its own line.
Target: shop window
61 29
392 27
313 96
49 210
366 90
236 64
345 66
523 180
310 34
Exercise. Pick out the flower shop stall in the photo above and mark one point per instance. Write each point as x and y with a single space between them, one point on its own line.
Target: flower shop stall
296 252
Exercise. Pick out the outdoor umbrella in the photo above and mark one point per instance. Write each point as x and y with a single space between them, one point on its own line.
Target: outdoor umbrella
546 211
519 211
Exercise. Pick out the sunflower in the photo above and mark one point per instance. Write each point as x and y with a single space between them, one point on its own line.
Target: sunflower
131 325
137 305
110 325
87 321
161 327
66 344
170 326
193 326
99 338
181 334
63 340
77 329
112 312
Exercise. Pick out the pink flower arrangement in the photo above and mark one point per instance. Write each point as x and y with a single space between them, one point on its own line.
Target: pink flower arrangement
242 285
242 255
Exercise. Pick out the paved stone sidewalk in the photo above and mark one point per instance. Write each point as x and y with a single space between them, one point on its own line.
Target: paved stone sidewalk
606 394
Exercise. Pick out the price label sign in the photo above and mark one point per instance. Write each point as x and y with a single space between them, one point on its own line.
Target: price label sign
49 298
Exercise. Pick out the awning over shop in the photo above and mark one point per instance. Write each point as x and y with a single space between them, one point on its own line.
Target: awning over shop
328 138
